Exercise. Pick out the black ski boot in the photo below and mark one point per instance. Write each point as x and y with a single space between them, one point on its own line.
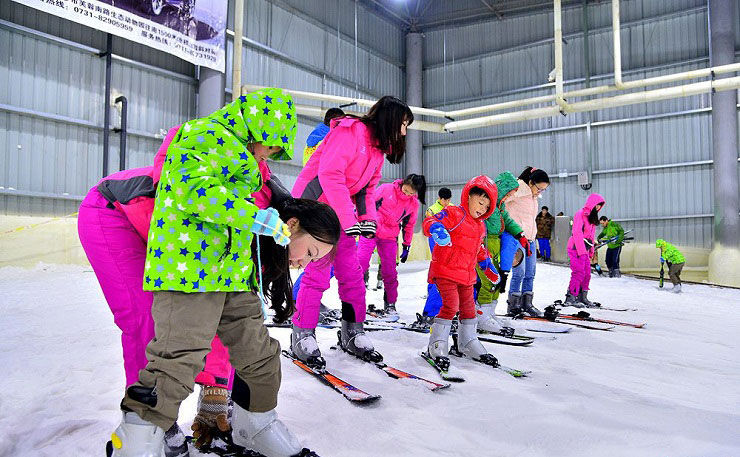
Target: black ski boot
513 305
527 307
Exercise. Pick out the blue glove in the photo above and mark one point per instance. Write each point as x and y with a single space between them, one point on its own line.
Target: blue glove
489 270
662 260
405 253
440 235
267 222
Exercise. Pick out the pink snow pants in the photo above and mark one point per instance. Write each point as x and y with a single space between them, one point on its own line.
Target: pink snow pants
117 255
316 280
387 250
580 272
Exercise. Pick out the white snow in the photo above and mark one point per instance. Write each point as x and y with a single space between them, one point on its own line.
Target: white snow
670 389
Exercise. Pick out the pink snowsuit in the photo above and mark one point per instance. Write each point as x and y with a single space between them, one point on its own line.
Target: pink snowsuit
343 172
114 236
395 210
579 254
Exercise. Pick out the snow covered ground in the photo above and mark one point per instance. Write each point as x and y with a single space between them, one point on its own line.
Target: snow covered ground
671 389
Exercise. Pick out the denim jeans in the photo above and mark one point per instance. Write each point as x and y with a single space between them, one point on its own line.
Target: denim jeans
522 276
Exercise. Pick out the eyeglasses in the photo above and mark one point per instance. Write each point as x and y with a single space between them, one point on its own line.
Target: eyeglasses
540 189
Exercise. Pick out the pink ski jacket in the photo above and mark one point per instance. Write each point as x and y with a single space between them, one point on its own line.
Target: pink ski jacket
583 229
343 172
395 210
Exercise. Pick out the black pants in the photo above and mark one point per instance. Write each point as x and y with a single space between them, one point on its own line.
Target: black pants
612 258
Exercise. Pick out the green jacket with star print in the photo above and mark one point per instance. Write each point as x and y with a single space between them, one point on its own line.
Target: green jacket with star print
200 238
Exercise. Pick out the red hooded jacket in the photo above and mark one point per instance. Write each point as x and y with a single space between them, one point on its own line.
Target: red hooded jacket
456 261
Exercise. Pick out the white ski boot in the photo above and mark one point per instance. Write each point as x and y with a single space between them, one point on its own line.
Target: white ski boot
304 346
353 339
136 437
264 433
487 320
439 342
470 346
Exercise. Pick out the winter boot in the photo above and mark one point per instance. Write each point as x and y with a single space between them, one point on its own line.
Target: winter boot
572 300
353 339
527 307
265 433
611 273
513 305
487 320
617 273
379 284
583 299
390 309
175 444
367 279
439 342
676 289
136 437
468 344
304 346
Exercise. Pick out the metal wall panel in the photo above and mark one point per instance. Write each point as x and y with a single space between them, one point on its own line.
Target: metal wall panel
670 202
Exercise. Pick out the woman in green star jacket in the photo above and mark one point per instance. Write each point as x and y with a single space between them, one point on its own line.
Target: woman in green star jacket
201 268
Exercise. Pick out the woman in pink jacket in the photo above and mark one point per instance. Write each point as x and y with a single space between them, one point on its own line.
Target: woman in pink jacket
581 249
397 206
344 172
113 224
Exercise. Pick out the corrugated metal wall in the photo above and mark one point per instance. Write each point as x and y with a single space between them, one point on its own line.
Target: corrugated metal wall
510 59
52 86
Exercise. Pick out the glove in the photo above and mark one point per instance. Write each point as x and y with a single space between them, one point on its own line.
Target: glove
440 235
267 222
525 244
405 253
662 260
489 270
367 228
501 286
212 419
353 231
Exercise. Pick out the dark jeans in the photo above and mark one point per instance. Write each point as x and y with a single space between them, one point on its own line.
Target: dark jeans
612 258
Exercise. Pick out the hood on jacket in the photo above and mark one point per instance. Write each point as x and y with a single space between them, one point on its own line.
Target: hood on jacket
592 201
485 183
505 183
318 134
267 116
659 243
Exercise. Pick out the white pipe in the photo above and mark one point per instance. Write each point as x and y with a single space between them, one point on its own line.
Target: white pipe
318 112
345 100
674 77
617 44
236 60
590 105
558 25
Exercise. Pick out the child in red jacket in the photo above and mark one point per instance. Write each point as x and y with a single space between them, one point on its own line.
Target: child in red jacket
459 232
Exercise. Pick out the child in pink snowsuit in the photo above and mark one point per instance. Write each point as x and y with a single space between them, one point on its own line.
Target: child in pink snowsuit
397 205
581 249
344 172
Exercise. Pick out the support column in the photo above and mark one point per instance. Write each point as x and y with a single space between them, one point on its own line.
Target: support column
726 249
211 86
414 163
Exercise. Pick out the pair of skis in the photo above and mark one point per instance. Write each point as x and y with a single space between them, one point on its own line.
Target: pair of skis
355 394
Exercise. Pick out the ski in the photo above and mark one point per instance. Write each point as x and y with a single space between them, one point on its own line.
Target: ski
560 303
566 322
444 373
511 371
532 326
584 316
507 340
395 373
347 390
223 447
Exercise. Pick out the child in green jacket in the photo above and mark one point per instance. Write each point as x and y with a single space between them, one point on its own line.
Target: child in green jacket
675 260
204 268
